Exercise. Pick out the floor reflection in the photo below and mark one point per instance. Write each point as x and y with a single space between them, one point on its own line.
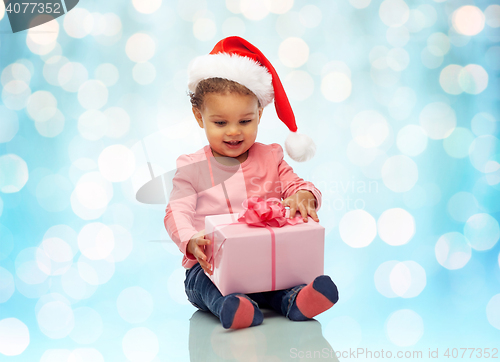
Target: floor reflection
276 339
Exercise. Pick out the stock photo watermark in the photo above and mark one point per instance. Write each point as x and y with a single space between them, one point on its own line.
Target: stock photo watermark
24 15
356 353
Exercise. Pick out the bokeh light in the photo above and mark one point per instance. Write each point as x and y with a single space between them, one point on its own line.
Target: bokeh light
310 16
93 124
430 60
14 173
438 44
293 52
407 279
9 124
54 256
146 6
482 151
91 196
107 73
458 142
399 173
88 326
394 13
14 337
42 38
15 94
398 59
483 123
116 163
493 311
398 36
382 280
468 20
78 23
72 75
75 286
140 47
117 122
492 15
336 87
438 120
360 4
254 9
473 79
396 226
369 129
299 85
55 319
96 272
204 29
411 140
453 250
462 206
482 231
16 71
357 228
93 94
96 241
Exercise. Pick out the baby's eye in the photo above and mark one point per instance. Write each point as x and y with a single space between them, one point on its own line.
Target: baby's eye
220 123
246 121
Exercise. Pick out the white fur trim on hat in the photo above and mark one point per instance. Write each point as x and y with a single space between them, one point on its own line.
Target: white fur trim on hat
300 147
242 70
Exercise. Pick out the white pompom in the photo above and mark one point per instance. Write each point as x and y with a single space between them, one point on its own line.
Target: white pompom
300 147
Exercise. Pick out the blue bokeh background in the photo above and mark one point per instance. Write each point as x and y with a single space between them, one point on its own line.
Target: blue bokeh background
402 100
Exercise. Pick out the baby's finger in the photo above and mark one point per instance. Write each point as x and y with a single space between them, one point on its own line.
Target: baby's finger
201 241
293 210
313 214
198 253
303 212
206 266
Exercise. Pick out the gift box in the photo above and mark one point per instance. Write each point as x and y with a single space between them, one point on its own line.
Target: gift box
249 259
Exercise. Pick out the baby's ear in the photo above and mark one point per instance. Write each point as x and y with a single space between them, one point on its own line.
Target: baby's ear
197 115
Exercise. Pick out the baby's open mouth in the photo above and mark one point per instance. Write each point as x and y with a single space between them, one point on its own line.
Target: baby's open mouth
233 143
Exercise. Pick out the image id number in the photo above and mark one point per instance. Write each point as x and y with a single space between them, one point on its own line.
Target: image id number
40 8
471 352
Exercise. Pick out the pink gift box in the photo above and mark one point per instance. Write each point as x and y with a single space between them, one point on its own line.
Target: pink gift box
249 259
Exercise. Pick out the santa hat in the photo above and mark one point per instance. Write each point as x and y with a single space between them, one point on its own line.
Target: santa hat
236 59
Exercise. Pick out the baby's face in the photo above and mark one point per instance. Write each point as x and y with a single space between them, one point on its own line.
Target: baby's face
227 118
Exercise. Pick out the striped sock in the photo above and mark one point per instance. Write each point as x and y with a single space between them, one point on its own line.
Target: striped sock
315 298
239 312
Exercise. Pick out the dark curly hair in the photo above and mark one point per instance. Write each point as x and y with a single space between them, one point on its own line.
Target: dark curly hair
219 86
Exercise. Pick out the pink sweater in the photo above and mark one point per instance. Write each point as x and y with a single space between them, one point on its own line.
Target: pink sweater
202 186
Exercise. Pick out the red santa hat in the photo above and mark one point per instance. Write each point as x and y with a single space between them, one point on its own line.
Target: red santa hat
236 59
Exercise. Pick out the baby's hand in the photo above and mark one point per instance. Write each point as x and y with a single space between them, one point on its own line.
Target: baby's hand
305 202
195 247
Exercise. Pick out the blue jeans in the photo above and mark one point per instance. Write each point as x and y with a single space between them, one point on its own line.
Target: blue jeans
204 295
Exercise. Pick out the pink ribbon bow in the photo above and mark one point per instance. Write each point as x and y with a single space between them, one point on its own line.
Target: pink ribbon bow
269 212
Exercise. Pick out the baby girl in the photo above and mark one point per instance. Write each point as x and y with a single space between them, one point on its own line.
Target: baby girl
229 89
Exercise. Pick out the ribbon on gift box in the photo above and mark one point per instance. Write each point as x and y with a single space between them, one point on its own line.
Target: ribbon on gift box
267 213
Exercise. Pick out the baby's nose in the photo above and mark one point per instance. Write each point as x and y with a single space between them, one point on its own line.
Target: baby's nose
232 130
